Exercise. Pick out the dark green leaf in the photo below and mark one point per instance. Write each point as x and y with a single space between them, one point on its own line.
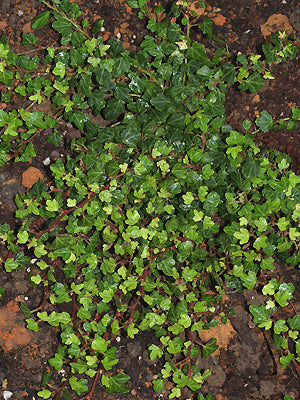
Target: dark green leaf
260 314
294 323
62 26
29 38
265 121
255 82
117 383
40 20
130 136
250 169
26 311
97 25
210 348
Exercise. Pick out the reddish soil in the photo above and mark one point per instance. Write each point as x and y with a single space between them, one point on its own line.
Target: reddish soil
246 366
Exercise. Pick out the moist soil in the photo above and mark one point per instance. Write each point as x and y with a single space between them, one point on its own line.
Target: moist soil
246 365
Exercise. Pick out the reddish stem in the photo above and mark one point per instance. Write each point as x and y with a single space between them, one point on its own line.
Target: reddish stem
91 392
66 212
64 384
133 307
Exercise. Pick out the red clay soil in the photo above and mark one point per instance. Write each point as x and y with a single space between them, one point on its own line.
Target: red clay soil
246 366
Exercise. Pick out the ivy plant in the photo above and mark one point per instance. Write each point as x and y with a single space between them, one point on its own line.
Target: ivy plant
156 208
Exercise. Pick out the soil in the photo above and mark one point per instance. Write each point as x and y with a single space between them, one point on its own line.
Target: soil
246 365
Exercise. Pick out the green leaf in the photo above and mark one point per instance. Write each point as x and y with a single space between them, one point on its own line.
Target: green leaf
25 310
132 217
249 279
56 362
79 386
242 235
160 102
250 169
59 69
45 393
40 20
22 237
294 323
265 121
99 344
32 324
260 313
166 266
117 383
255 82
97 25
62 26
52 205
155 352
210 348
133 4
29 38
280 326
130 136
158 385
286 360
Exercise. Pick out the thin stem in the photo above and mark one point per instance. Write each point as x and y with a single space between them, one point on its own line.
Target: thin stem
64 16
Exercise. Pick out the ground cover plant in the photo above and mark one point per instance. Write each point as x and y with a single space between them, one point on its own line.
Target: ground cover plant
161 209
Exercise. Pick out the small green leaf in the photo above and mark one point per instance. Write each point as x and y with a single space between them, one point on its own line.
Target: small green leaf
22 237
117 383
280 326
255 82
158 385
32 325
59 69
155 352
79 385
40 20
99 344
260 313
294 323
56 362
29 38
210 348
52 205
242 235
45 394
265 121
286 360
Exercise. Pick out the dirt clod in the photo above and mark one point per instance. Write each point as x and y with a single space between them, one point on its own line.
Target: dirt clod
31 176
276 22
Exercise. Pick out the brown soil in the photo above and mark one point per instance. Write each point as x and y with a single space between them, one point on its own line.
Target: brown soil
246 365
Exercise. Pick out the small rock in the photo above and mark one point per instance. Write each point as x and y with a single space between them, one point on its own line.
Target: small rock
267 388
31 176
72 133
47 161
7 394
295 19
54 155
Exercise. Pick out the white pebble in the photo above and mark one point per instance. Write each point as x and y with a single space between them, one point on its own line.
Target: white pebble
7 394
46 161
